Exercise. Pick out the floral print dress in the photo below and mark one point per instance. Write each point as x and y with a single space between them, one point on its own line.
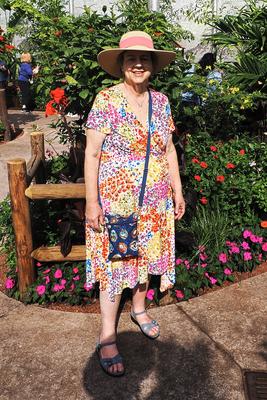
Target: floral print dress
120 178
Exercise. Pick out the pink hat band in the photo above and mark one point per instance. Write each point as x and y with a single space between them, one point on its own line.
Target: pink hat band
136 41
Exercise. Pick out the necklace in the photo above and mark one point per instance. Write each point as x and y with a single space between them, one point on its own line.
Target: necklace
138 103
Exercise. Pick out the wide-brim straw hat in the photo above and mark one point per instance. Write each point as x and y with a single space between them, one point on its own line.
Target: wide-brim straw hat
135 40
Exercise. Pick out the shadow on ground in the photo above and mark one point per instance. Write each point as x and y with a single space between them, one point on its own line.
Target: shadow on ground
155 370
20 118
263 353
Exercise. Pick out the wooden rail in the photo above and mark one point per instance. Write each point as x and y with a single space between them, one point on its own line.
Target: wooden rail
56 191
52 253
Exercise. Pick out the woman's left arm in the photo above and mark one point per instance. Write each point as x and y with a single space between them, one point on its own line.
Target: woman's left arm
179 203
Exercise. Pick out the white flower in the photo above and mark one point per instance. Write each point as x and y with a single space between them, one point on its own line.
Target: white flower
252 163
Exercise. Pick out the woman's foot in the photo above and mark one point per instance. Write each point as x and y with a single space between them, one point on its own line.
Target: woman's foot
107 349
147 325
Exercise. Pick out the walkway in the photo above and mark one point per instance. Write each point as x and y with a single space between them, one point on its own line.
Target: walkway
204 347
20 147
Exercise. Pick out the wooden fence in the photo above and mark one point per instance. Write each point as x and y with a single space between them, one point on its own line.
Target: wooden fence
22 188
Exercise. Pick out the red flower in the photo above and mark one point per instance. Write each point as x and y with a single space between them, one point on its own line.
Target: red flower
158 34
230 166
215 157
9 47
220 178
57 95
49 109
195 160
203 164
58 33
203 200
213 148
242 152
197 178
2 39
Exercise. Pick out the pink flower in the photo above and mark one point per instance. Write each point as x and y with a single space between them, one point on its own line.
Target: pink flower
260 257
10 283
227 271
150 294
207 275
187 264
203 265
247 256
179 261
76 278
75 270
38 264
87 286
223 258
213 280
201 248
254 238
235 249
40 289
63 282
47 279
58 274
245 245
247 234
203 256
72 287
179 294
264 246
46 271
57 288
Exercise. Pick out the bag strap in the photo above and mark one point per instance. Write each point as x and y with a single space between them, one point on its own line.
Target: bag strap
142 193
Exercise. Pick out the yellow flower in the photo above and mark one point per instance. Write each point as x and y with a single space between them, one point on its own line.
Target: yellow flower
234 89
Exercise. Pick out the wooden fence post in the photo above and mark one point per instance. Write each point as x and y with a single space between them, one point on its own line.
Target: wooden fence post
4 115
38 150
17 176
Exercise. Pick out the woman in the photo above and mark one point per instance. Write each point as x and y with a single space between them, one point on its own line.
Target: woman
24 80
114 163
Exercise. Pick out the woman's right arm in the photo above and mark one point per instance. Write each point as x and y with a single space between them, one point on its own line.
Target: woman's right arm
93 211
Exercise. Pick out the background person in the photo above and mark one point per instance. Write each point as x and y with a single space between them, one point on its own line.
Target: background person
114 163
4 75
25 80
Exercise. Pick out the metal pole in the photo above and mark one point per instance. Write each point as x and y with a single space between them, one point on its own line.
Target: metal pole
71 7
153 5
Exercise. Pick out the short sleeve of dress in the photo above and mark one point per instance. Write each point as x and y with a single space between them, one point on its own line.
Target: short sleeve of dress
171 126
98 117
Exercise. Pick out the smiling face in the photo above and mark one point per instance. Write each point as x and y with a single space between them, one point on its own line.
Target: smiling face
137 67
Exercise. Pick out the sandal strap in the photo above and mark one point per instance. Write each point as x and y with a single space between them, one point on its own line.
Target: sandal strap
147 327
138 313
100 345
108 362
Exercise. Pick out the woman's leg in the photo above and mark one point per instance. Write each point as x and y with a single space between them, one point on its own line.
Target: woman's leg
138 305
109 312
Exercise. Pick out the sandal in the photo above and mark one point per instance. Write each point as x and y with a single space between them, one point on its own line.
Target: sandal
108 362
146 327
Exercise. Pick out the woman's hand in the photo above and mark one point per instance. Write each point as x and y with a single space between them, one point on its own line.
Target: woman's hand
179 205
94 216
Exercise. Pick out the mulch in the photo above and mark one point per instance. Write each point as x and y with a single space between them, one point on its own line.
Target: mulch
94 306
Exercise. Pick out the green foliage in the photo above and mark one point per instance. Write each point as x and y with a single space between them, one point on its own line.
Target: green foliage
63 282
246 32
221 109
7 238
216 172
